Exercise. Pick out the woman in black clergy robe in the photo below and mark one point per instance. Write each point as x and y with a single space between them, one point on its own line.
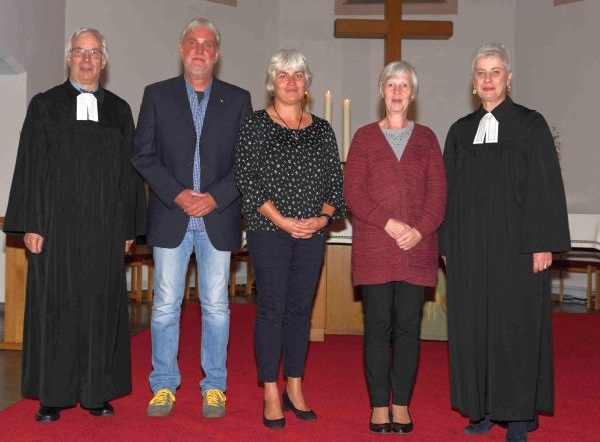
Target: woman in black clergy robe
506 213
80 203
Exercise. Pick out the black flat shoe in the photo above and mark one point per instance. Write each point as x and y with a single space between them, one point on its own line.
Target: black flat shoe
273 424
104 410
308 415
402 428
47 414
379 428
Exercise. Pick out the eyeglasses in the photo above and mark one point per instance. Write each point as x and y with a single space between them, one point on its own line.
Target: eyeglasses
94 53
205 45
403 86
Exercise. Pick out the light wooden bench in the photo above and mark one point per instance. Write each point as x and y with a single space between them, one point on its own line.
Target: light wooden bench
579 261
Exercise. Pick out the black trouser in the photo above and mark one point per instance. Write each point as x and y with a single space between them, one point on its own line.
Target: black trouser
287 271
392 323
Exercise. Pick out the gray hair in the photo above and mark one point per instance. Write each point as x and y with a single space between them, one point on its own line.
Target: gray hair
78 32
493 50
284 60
395 69
199 22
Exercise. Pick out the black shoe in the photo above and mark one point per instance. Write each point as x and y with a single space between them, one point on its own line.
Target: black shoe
104 410
273 424
47 414
531 425
379 428
402 428
308 415
516 437
517 430
481 427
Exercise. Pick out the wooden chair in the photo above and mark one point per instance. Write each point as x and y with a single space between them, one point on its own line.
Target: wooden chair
241 255
579 261
134 260
149 263
189 291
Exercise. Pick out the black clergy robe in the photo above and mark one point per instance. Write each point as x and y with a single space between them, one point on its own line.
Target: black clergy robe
74 185
505 201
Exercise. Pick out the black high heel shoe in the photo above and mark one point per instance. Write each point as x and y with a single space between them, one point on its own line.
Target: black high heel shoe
379 428
273 424
308 415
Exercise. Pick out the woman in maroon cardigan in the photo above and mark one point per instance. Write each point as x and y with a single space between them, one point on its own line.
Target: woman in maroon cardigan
395 187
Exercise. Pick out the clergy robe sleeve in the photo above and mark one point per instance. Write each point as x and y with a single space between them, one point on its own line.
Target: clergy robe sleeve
435 191
356 173
544 224
25 212
134 195
450 156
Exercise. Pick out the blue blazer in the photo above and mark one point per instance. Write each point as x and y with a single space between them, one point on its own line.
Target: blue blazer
163 153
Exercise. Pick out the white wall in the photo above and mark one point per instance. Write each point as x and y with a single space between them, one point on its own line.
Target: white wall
558 54
13 90
31 32
143 38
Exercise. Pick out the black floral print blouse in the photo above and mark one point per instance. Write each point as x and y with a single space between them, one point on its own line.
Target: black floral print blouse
298 170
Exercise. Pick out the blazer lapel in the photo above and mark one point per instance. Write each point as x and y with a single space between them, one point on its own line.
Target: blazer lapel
182 102
214 107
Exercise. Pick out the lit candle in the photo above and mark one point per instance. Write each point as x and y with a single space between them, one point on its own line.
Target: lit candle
306 101
328 106
346 129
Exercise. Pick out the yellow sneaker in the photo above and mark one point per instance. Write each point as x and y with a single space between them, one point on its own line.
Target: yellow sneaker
214 403
161 404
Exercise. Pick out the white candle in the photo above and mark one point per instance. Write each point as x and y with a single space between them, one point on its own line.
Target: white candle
328 102
307 102
346 129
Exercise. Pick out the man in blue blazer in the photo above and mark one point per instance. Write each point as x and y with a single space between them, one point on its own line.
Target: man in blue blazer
184 147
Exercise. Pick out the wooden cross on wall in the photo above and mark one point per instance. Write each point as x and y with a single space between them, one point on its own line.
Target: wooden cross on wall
393 29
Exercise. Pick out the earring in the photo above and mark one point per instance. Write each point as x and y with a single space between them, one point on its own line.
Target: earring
474 91
508 87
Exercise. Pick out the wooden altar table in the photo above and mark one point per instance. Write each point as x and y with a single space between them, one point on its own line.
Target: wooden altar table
338 306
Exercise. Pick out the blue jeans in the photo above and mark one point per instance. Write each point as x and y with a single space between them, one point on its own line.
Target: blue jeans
169 280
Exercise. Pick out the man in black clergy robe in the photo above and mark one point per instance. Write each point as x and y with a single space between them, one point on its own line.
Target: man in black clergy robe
80 204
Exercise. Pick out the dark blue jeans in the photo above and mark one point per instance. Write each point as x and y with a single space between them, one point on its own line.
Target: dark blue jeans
287 271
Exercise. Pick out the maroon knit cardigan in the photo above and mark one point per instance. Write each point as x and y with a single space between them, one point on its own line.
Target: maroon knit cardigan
378 187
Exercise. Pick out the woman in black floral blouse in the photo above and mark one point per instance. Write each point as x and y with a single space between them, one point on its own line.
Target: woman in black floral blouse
288 171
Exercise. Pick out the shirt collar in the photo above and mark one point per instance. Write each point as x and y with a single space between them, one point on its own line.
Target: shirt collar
191 91
80 87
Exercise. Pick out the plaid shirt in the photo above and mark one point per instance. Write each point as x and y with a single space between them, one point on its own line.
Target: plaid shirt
198 109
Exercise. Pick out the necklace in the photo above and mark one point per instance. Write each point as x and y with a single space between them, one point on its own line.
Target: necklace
294 133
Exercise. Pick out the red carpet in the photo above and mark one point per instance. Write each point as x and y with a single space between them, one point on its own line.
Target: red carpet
334 386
